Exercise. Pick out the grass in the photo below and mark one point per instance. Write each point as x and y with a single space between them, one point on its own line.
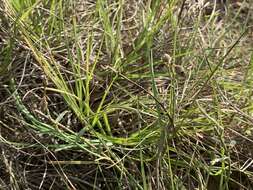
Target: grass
125 95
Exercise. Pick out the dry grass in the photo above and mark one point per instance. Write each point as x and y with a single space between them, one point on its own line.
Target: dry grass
126 95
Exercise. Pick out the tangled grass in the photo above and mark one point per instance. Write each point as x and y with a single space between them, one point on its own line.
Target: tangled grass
126 94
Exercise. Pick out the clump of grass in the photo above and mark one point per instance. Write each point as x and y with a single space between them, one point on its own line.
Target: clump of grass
126 94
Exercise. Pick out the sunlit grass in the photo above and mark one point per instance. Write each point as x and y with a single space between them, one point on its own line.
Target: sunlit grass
139 95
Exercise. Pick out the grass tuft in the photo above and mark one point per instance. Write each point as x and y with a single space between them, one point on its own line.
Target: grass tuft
126 94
